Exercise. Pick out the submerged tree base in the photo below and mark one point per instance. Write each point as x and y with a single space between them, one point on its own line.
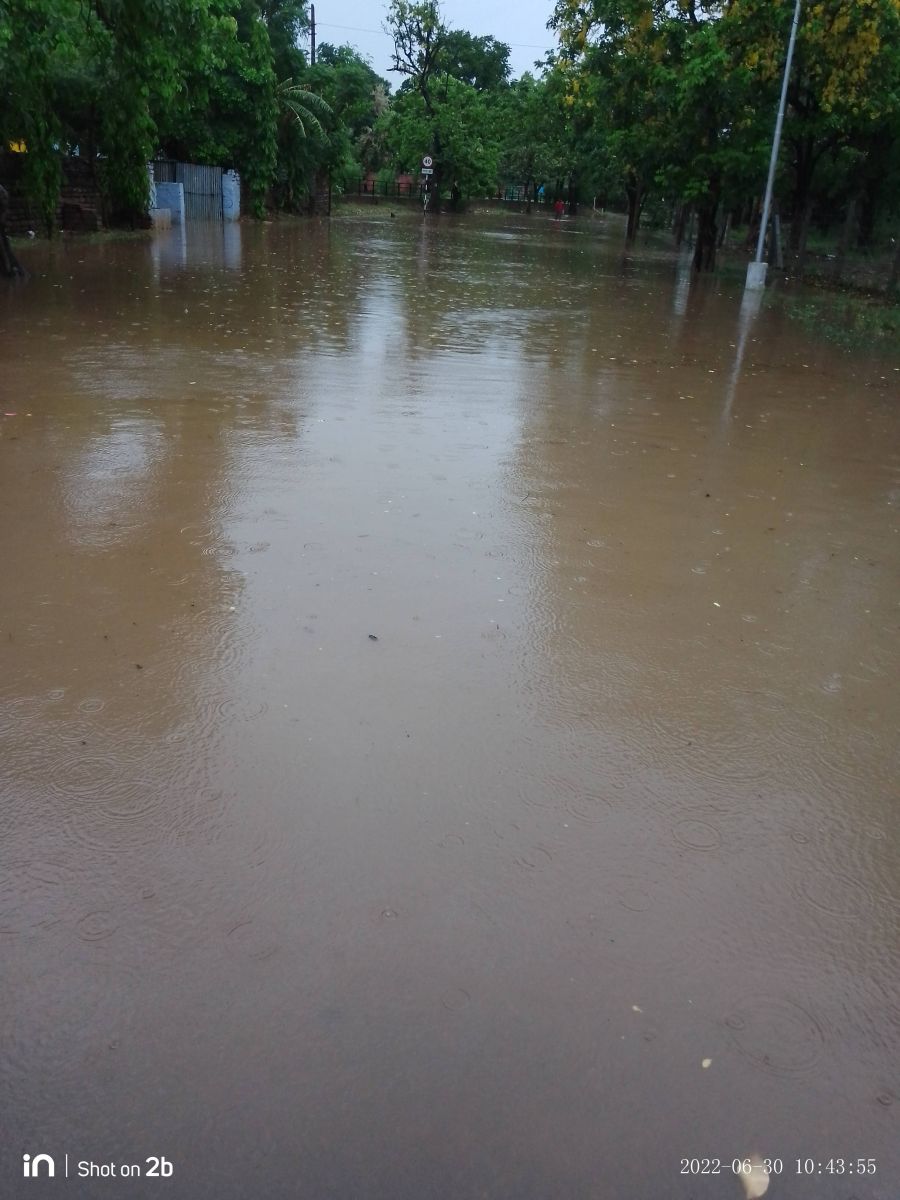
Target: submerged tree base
10 267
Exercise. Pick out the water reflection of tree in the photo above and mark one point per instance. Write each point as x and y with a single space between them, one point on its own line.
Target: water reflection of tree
302 282
475 286
715 663
124 594
677 571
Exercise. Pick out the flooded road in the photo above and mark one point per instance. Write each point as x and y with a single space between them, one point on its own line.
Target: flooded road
448 722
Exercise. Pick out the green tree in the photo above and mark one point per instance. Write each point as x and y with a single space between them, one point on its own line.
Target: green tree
419 34
303 139
27 45
674 101
845 87
482 62
229 110
718 140
356 93
615 57
358 97
141 74
535 146
460 122
303 108
95 75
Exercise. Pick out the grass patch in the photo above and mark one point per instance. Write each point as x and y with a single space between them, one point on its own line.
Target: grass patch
852 321
386 208
83 239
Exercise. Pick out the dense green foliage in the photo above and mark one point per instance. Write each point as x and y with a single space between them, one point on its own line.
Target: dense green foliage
457 104
679 98
663 106
222 81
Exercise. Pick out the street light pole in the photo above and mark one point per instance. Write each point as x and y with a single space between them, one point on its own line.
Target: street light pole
756 271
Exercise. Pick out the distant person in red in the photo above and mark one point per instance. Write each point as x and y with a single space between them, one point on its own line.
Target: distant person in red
559 208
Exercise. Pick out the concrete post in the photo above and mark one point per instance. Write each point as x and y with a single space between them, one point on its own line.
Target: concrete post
171 196
231 196
756 276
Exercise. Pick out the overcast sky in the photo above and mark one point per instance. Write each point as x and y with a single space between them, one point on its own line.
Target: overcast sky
519 23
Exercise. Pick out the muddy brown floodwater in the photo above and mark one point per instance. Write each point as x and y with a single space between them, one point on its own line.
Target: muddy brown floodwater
448 738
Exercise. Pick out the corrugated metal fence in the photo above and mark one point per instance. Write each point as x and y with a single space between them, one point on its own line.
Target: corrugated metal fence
202 187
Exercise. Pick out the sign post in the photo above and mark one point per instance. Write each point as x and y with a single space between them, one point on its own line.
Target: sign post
427 170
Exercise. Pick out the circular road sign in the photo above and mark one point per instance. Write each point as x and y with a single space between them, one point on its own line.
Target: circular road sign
427 161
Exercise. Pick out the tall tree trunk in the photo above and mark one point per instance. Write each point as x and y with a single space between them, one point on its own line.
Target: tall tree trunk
633 192
868 213
754 216
680 223
776 248
894 280
805 159
846 236
802 236
707 233
9 264
437 150
91 141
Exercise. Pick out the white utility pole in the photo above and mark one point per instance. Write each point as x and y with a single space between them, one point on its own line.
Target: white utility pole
756 271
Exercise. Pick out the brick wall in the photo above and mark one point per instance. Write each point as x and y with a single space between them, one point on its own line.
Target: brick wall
80 204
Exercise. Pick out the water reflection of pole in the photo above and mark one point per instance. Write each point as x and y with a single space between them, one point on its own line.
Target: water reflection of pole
231 244
422 261
756 271
750 306
169 248
682 291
